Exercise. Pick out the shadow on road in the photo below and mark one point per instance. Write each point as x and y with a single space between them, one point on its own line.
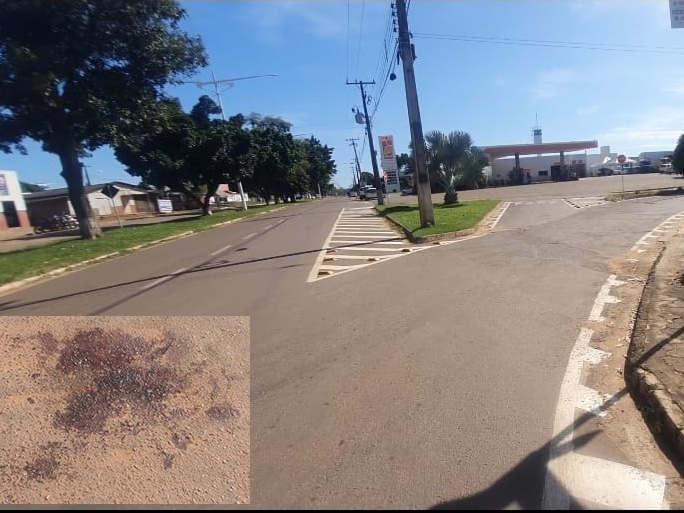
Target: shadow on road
529 480
207 265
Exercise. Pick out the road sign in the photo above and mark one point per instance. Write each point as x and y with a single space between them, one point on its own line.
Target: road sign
622 159
110 191
676 14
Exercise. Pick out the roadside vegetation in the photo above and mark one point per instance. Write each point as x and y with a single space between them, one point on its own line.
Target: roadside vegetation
78 75
27 263
448 218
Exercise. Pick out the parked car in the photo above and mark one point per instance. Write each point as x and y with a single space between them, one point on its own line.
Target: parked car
666 169
605 171
407 191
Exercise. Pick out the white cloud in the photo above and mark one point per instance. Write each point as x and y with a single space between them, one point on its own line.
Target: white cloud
320 19
553 83
586 111
654 129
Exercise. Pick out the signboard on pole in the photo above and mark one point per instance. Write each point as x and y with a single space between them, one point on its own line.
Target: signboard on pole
677 14
389 163
622 159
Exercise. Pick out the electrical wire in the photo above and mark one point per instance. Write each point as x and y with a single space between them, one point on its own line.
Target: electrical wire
348 29
358 59
551 44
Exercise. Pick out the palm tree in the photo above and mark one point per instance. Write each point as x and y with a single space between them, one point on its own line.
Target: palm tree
450 160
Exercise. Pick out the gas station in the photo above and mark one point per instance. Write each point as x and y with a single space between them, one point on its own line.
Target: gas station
548 162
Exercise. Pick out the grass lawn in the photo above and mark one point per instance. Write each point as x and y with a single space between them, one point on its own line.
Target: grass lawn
448 218
26 263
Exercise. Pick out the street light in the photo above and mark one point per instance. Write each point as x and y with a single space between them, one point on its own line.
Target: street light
229 83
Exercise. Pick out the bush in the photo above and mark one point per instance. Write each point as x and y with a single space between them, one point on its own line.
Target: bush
450 196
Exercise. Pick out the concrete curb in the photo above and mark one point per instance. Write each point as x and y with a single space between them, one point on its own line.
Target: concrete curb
55 272
443 236
661 412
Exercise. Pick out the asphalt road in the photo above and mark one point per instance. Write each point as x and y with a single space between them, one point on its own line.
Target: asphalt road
428 378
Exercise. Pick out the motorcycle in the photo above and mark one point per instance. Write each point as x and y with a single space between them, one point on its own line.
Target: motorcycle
56 222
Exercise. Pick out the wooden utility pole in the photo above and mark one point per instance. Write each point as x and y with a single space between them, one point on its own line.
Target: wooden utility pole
376 172
427 214
356 158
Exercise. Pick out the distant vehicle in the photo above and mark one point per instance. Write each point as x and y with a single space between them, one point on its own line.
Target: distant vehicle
666 169
353 194
407 191
605 171
369 193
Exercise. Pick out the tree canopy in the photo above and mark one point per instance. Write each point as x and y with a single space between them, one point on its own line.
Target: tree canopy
77 74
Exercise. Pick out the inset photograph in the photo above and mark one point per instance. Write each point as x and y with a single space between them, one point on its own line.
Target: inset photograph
124 410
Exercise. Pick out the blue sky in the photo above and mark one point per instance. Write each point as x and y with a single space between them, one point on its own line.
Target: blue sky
630 96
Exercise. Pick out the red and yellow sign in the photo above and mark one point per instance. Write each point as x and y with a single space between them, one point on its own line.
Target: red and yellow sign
387 144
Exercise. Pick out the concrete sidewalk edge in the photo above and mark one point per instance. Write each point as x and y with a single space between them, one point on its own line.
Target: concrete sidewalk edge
661 413
8 287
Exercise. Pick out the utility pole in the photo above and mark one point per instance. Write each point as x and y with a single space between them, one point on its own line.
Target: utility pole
376 173
356 157
427 214
229 82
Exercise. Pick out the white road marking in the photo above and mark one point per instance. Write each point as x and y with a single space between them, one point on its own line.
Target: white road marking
592 401
559 469
353 257
615 485
165 278
248 236
366 242
570 474
594 356
604 298
358 236
267 227
500 215
354 248
214 253
326 245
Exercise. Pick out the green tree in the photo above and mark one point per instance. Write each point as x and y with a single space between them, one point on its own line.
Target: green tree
367 178
454 161
75 73
273 153
678 156
192 153
322 167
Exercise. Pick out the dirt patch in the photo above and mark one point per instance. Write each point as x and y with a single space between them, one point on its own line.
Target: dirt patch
124 410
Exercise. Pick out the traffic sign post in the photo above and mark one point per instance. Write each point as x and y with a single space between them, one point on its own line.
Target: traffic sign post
622 159
110 191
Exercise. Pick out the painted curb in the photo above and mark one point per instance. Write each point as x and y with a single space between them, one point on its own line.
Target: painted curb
443 236
661 413
27 281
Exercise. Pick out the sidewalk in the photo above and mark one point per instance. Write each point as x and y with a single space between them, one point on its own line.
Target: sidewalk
655 362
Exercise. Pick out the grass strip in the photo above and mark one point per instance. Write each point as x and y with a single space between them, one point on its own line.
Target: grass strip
448 218
30 262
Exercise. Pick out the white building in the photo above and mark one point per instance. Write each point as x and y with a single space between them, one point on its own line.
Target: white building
13 212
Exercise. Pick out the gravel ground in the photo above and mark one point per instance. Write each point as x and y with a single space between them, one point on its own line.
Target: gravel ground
124 410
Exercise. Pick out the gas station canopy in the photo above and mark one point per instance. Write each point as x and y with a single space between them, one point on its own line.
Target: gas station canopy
497 152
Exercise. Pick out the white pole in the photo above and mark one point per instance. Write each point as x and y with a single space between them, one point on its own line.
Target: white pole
223 117
116 211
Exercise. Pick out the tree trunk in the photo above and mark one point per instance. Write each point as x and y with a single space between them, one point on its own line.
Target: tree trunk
73 175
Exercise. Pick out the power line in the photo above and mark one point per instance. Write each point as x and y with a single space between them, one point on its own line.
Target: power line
358 60
348 28
552 44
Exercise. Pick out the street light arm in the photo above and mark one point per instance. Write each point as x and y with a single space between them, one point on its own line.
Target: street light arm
228 80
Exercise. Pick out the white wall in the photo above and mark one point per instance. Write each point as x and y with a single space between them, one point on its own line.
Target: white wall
14 189
501 167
